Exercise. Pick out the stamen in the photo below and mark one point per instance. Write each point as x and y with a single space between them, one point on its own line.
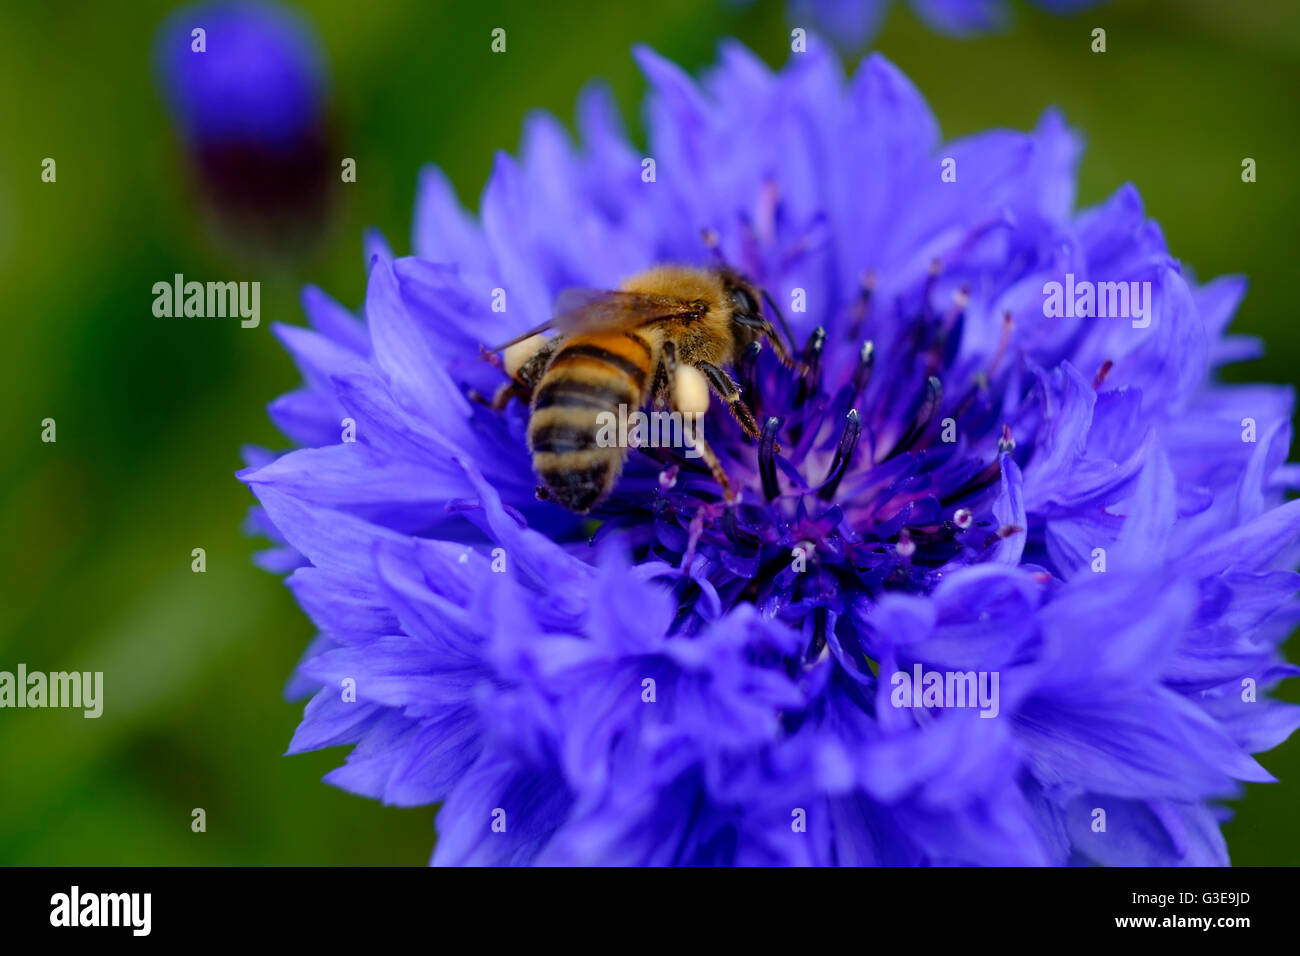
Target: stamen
780 318
820 621
843 455
668 477
1006 443
979 383
906 547
866 362
960 299
931 534
1102 372
933 395
1006 531
810 373
747 372
811 367
963 518
862 305
944 351
767 457
1007 325
929 405
693 532
991 473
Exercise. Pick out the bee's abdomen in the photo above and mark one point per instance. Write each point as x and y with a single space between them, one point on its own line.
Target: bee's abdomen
588 376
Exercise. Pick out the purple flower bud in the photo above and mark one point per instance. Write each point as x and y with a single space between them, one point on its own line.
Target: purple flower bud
246 85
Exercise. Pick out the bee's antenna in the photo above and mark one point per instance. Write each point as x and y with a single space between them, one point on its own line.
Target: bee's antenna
767 297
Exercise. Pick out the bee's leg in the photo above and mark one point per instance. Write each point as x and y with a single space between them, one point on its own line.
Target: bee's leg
677 392
502 396
778 346
523 378
474 395
729 392
762 326
659 389
530 372
715 466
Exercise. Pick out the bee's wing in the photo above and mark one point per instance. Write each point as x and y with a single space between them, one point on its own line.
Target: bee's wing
536 330
591 310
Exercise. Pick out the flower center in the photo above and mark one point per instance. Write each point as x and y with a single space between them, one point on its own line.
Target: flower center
869 475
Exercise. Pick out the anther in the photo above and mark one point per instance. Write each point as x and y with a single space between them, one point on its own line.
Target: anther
747 373
843 455
1008 324
936 269
1006 443
767 457
862 306
906 547
1004 532
929 405
866 362
820 627
986 477
1102 372
810 373
963 518
960 299
810 370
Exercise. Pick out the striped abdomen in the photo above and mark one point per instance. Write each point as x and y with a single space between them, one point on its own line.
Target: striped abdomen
588 375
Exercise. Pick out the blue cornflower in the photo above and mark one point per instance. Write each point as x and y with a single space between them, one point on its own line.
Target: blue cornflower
1071 510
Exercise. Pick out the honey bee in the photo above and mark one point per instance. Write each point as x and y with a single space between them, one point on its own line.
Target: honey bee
667 333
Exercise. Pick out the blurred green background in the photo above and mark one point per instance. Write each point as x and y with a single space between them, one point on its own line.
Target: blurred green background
98 528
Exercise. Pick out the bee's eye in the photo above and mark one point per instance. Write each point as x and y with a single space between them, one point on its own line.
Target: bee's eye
743 302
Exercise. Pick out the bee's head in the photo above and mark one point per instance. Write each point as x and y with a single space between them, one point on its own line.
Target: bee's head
747 314
741 293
